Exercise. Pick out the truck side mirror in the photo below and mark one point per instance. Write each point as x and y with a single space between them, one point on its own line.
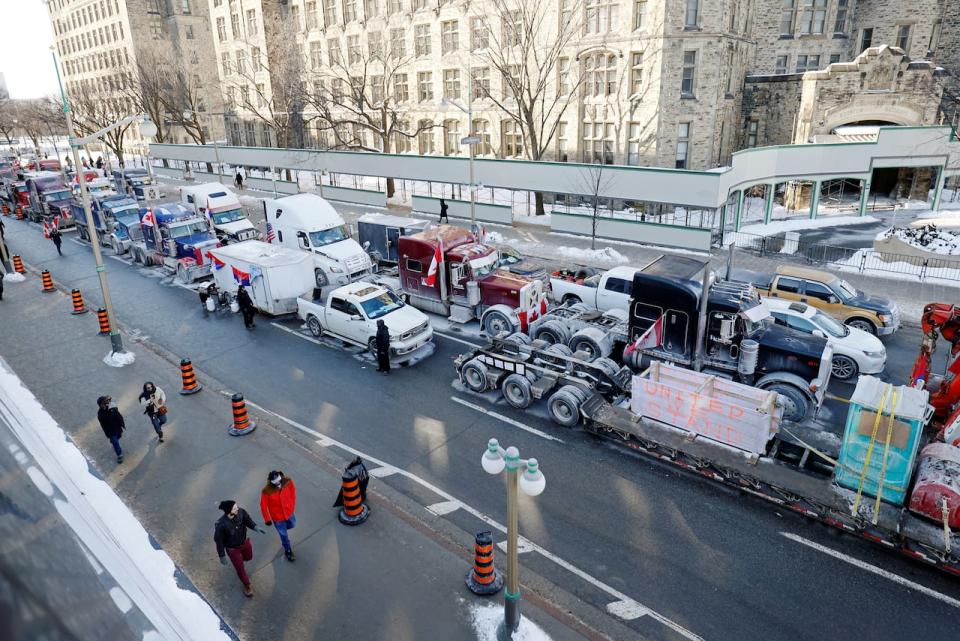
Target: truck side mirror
356 317
833 300
302 240
818 333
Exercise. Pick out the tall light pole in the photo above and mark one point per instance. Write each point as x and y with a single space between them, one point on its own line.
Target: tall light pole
216 149
469 141
532 482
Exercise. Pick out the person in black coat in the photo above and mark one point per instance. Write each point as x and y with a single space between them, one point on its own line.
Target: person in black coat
246 307
383 347
56 237
111 421
230 535
443 212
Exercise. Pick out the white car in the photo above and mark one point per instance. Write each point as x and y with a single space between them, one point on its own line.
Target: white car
854 350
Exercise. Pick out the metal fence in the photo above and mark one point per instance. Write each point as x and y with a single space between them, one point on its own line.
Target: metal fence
850 259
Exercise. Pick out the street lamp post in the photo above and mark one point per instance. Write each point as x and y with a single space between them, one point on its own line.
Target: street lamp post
532 482
469 140
216 149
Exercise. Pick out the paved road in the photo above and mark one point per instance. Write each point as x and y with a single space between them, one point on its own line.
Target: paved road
711 561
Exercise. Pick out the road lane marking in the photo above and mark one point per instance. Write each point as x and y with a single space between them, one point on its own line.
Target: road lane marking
627 610
383 472
505 419
454 338
444 507
896 578
298 334
125 262
77 241
523 545
566 565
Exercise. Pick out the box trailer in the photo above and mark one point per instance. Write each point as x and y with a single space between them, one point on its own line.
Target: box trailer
273 276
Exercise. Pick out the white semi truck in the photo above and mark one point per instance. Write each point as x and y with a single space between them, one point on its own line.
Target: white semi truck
219 205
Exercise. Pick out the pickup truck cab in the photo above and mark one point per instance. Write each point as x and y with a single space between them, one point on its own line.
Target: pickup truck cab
222 208
875 314
350 313
604 291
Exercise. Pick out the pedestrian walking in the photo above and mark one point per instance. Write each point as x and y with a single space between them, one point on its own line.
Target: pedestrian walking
278 501
383 348
238 179
100 162
111 422
1 286
230 535
246 307
154 402
443 211
57 239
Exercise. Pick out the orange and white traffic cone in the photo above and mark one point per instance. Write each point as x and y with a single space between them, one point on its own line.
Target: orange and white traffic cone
354 510
104 321
190 384
78 306
18 264
47 281
483 578
241 422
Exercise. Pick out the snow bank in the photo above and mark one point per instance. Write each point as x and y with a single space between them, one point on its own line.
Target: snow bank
119 359
898 270
928 237
605 255
111 532
796 224
487 618
14 277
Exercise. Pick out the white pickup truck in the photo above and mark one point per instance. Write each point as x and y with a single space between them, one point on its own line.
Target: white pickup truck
604 291
351 313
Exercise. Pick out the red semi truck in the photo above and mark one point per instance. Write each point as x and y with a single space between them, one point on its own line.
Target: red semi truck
445 270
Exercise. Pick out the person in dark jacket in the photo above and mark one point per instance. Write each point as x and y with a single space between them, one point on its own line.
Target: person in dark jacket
230 535
246 307
443 212
383 348
56 237
111 421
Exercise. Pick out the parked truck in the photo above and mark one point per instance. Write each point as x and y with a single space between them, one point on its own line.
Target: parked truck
309 223
49 198
350 313
106 212
176 238
136 183
274 276
379 235
218 204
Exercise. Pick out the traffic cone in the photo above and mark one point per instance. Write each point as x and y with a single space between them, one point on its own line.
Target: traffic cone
483 578
241 422
354 510
47 281
6 209
18 264
19 212
190 384
78 306
104 321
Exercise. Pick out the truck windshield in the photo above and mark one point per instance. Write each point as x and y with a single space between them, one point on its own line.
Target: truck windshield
57 195
231 216
846 291
484 265
381 305
328 236
181 231
830 326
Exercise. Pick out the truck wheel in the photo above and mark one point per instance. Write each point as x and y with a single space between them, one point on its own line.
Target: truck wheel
553 332
577 306
182 275
516 391
607 365
372 346
844 368
517 339
586 340
559 349
863 324
570 300
795 403
314 326
320 278
475 375
135 254
564 407
82 232
496 323
115 246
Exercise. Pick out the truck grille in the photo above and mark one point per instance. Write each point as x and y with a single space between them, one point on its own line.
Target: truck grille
415 331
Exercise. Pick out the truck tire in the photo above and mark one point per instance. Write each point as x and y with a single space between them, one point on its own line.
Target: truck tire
82 232
516 391
320 278
183 276
590 340
844 368
496 323
553 332
796 406
517 339
475 376
564 406
559 349
862 323
607 365
115 246
570 300
314 326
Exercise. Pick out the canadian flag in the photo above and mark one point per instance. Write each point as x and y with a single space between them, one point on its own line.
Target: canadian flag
147 220
651 338
431 278
46 230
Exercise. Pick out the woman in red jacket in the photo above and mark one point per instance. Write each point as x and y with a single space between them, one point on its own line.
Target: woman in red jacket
278 500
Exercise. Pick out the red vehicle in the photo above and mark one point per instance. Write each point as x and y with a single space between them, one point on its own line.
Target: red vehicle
47 164
21 194
446 271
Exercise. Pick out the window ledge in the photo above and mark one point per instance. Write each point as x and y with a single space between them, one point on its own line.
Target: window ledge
728 96
840 36
688 27
687 96
786 36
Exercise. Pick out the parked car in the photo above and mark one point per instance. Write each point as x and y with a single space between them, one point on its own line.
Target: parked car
855 351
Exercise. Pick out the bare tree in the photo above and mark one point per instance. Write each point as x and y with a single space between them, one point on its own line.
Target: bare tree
183 101
149 87
594 182
8 119
95 112
528 43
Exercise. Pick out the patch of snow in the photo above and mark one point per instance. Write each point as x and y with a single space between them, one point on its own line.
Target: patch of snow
250 200
780 226
604 255
119 359
928 237
14 277
494 237
897 270
487 618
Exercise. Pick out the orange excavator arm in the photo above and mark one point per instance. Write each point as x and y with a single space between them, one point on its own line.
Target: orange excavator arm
939 320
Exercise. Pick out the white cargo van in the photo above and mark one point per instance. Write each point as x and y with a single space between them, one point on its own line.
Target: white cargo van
219 205
274 276
310 223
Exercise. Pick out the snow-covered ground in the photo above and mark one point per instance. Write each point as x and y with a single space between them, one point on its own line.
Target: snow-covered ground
604 255
797 224
927 237
872 265
487 618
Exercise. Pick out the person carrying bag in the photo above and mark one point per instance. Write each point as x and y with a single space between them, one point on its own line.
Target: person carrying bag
154 402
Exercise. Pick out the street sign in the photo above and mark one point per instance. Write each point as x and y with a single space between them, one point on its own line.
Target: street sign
470 140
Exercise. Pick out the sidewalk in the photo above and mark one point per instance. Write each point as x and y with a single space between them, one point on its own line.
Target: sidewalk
386 579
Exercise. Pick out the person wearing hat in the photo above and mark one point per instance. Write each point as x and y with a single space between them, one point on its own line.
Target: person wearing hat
111 421
230 535
278 500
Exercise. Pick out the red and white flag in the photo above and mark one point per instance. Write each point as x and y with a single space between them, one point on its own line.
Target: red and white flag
651 338
147 220
435 264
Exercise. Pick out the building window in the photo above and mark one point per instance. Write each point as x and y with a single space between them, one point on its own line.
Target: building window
563 76
688 76
834 57
260 95
563 142
782 64
225 62
692 18
395 6
451 137
316 55
241 61
866 39
807 63
479 36
934 38
425 137
401 90
251 22
683 144
354 54
814 16
481 130
639 14
371 8
221 29
451 83
636 73
333 52
418 5
600 16
156 27
255 59
788 16
425 86
481 83
401 144
600 75
349 10
377 89
512 141
329 13
189 32
398 46
598 142
375 44
421 40
752 127
449 39
251 133
511 81
512 28
903 36
840 24
235 25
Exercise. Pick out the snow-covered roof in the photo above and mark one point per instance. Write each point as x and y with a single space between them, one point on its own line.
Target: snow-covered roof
394 221
261 253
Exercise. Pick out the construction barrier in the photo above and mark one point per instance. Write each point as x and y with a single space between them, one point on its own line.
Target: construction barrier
19 212
47 281
78 306
241 422
190 384
483 578
6 209
18 264
104 321
354 510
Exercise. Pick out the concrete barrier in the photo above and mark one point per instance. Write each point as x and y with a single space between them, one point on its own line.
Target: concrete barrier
353 195
460 209
693 238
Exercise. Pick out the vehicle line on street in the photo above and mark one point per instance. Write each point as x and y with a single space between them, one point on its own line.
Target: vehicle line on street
297 334
863 565
505 419
624 608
